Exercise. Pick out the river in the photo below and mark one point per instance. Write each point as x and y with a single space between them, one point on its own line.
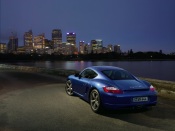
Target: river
163 70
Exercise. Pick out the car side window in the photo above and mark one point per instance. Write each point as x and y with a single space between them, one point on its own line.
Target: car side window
84 74
88 73
92 74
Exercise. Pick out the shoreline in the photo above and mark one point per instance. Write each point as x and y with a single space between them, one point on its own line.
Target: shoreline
162 70
164 88
105 60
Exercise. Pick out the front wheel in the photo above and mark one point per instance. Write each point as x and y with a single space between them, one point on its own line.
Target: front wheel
95 101
68 88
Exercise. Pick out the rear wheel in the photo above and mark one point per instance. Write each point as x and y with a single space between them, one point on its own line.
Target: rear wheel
95 101
68 88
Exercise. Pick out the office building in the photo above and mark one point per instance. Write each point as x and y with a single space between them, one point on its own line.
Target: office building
39 43
21 50
3 47
81 47
12 44
71 39
49 47
105 50
110 48
49 44
57 37
67 48
94 46
87 48
117 49
99 45
28 41
57 40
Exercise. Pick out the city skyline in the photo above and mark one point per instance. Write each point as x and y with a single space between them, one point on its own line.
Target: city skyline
65 36
138 25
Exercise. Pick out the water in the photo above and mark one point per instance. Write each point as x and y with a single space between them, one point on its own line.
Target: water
163 70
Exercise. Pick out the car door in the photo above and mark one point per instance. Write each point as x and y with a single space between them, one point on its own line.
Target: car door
84 82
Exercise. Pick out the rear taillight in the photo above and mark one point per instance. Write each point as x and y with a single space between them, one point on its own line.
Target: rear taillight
152 88
112 90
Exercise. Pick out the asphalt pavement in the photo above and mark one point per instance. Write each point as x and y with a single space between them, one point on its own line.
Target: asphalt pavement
38 102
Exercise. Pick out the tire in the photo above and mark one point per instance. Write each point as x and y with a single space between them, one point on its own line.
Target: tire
95 101
68 88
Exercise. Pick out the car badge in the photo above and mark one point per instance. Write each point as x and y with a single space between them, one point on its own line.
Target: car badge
134 87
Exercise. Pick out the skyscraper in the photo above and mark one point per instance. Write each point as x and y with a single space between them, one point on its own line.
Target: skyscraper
12 44
49 44
57 40
71 38
81 47
87 48
117 49
57 37
66 48
94 46
99 45
39 43
110 48
28 41
3 47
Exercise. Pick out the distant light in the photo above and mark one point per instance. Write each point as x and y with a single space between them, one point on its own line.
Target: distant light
73 33
67 33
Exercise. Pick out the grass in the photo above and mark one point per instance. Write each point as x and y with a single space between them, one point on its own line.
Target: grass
164 88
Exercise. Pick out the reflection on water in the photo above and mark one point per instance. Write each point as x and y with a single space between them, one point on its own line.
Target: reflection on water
164 70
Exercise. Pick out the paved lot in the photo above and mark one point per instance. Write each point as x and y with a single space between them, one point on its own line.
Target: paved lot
31 101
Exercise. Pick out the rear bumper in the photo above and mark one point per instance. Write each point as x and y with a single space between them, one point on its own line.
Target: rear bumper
111 101
132 105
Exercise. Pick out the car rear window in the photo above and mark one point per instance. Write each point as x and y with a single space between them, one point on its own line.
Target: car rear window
118 74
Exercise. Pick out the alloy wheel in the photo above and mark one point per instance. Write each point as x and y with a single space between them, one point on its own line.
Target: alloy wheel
69 88
95 100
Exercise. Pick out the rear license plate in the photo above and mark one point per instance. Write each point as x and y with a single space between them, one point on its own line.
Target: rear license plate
140 99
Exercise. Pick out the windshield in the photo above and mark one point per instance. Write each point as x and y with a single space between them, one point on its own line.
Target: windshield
118 74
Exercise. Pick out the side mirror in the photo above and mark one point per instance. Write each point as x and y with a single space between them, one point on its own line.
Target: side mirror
76 74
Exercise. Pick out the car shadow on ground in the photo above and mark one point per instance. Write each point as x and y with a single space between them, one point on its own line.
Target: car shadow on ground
142 115
133 116
112 113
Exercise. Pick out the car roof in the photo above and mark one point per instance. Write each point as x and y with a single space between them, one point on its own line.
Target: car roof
100 68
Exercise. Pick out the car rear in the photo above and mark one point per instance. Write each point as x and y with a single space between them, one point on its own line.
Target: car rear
125 90
129 98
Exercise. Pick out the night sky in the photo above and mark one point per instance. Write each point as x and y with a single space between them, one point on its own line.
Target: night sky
141 25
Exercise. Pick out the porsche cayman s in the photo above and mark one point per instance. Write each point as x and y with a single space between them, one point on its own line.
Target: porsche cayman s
111 88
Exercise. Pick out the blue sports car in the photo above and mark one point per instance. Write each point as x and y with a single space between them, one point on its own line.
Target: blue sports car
111 87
